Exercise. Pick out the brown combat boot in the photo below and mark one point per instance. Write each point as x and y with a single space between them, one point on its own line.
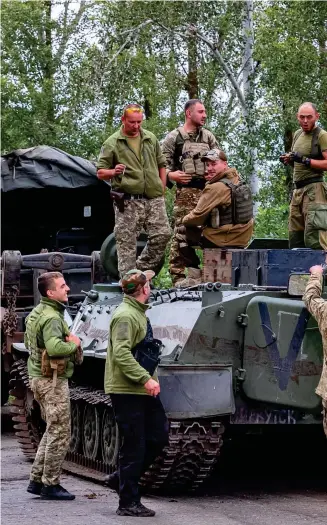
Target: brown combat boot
193 279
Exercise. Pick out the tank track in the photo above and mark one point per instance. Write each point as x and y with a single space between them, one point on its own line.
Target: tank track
194 445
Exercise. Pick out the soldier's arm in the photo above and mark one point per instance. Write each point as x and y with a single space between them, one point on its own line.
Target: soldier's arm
106 165
312 298
122 335
161 161
209 199
168 150
26 341
53 337
319 164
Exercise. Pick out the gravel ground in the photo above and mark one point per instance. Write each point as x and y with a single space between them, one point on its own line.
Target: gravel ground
273 500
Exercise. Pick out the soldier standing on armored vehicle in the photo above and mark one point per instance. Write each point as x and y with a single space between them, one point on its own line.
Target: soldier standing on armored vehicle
132 382
133 161
308 209
318 308
53 351
223 216
183 148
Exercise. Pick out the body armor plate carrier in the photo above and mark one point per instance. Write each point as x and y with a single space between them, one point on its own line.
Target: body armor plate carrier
241 209
192 153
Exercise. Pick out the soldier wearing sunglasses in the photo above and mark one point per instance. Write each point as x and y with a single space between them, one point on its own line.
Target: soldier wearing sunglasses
132 160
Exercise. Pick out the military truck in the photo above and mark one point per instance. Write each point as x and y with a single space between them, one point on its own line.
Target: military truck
51 201
236 355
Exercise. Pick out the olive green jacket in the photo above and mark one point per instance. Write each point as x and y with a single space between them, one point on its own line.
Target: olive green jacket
123 374
141 175
47 329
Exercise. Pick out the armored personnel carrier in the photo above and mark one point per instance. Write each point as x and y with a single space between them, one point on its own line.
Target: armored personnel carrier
236 354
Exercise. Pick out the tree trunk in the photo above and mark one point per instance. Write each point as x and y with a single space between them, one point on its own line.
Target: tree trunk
288 139
147 106
192 84
248 92
48 71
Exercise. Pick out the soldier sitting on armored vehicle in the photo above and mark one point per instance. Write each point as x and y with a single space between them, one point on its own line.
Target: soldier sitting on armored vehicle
223 216
318 308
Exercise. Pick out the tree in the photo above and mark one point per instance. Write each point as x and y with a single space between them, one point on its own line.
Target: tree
39 52
291 48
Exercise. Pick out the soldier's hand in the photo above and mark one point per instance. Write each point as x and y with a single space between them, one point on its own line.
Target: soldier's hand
301 159
317 269
152 387
285 159
180 177
119 169
71 338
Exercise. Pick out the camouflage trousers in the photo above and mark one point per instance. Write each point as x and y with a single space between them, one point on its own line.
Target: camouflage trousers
185 202
324 415
150 216
308 217
55 410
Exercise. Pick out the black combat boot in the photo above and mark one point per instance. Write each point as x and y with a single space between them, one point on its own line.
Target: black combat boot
56 492
112 481
135 509
34 488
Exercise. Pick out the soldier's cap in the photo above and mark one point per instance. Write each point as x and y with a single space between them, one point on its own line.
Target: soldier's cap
213 155
135 278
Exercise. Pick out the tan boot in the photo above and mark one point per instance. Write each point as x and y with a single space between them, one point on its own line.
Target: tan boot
194 278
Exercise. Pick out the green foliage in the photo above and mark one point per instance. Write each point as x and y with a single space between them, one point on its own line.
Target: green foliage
271 222
68 70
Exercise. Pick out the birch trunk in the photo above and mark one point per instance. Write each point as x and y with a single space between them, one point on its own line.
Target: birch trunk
248 92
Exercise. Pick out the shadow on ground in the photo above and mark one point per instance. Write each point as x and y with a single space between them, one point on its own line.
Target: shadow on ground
277 460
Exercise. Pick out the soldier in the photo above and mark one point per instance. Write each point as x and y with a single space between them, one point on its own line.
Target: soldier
53 351
183 148
132 382
132 160
308 209
223 216
318 308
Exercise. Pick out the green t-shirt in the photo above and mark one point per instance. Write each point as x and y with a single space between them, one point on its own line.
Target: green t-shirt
135 144
302 145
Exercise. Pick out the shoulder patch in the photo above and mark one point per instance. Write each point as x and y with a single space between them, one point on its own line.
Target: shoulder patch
122 330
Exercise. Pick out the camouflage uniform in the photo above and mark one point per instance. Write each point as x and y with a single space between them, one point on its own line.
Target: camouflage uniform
46 329
187 197
307 223
148 215
55 410
144 205
318 308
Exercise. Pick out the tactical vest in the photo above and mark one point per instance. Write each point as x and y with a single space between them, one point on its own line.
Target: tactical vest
32 330
240 210
315 152
188 158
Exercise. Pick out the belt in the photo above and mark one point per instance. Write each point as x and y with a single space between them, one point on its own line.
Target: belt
305 182
134 196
